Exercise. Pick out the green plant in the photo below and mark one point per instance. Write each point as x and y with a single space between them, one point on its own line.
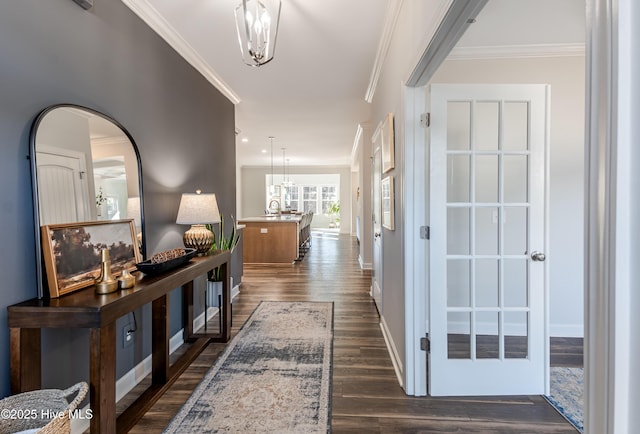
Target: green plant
334 211
100 199
222 242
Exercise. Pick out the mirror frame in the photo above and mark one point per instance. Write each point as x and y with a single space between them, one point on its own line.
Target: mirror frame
35 193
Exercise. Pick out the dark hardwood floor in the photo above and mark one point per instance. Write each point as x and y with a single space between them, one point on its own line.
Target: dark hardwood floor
366 397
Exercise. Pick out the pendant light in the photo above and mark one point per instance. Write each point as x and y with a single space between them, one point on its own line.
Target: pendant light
257 26
272 187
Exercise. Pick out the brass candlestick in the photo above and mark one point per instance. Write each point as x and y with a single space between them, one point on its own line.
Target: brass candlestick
105 283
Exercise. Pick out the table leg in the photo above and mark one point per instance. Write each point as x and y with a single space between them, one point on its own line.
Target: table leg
226 303
160 340
25 353
102 361
187 310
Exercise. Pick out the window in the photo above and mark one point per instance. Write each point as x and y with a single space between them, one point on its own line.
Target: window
310 199
291 197
317 194
329 196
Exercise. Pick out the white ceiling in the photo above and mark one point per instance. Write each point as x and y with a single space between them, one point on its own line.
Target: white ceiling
311 97
527 23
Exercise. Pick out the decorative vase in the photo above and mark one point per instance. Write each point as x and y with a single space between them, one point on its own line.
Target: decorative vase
105 283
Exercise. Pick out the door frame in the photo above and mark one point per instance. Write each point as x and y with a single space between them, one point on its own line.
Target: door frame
377 245
610 134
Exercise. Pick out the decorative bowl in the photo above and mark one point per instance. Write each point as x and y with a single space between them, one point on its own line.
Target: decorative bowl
151 269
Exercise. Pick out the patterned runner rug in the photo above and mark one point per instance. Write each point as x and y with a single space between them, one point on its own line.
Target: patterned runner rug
567 391
273 377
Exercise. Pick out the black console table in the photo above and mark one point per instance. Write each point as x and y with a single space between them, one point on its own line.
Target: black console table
98 313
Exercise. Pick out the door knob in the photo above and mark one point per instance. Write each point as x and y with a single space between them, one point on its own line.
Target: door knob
376 234
538 256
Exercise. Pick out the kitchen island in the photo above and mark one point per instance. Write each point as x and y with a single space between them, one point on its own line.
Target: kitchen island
272 239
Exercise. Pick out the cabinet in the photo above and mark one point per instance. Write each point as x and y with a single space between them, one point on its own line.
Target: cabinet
98 313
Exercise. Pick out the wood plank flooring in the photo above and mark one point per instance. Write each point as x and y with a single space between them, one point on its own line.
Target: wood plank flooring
366 397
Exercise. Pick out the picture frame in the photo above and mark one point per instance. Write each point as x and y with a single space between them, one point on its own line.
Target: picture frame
72 252
388 145
387 191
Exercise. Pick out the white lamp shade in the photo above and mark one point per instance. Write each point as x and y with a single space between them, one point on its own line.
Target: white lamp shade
198 209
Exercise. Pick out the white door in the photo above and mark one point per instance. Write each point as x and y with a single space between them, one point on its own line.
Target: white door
62 187
488 329
376 201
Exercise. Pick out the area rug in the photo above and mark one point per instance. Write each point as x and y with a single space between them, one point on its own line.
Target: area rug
567 391
273 377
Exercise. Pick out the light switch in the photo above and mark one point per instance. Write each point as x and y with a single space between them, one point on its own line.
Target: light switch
264 230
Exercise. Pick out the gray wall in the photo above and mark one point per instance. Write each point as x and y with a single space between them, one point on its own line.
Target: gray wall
107 59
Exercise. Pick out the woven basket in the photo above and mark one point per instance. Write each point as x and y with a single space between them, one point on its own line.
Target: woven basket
46 410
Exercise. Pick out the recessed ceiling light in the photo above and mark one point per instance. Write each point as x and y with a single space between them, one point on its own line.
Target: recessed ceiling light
245 140
264 151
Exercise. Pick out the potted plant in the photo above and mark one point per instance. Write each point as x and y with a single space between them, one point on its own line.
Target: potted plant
220 242
334 214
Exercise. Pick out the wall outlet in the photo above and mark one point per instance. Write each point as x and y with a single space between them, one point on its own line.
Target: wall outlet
127 336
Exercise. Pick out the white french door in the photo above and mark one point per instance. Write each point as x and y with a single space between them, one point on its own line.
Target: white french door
488 330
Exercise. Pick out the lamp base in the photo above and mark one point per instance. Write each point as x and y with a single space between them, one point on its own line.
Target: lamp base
198 237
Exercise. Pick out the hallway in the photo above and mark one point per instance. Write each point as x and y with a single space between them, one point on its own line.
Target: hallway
366 396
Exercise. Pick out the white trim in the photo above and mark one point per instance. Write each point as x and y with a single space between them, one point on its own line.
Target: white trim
516 51
566 330
390 20
453 22
148 14
364 265
393 351
611 222
128 381
415 215
356 144
547 242
81 424
132 378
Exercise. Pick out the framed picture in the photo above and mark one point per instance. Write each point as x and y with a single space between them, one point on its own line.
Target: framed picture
388 203
388 148
72 252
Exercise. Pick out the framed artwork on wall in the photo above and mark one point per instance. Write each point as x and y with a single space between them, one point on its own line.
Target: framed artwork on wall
72 252
388 203
388 147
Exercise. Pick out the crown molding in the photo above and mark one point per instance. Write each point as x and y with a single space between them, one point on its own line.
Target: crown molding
390 20
110 141
356 143
516 51
148 14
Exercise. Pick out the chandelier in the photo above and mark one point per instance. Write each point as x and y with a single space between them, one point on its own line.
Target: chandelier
257 25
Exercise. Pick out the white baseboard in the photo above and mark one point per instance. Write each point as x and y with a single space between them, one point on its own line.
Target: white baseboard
128 381
567 330
393 352
364 265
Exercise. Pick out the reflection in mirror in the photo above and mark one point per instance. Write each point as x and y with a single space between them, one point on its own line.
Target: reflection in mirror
85 167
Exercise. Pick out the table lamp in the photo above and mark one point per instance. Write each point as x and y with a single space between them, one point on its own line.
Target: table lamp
197 210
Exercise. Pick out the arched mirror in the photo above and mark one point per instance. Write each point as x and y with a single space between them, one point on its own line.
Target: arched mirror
85 166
